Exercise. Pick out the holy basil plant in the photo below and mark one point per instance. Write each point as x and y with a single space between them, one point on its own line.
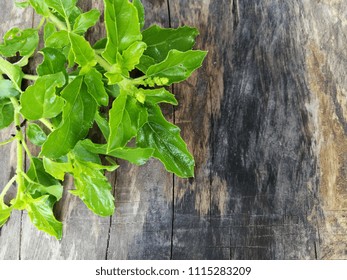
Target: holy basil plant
115 85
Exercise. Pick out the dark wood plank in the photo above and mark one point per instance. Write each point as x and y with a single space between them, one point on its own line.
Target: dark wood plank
272 94
142 225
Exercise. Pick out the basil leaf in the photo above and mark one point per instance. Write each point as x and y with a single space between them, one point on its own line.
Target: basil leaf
122 26
138 156
131 56
49 29
78 116
82 154
145 62
59 40
5 213
102 124
178 66
40 7
160 95
85 21
53 62
57 169
23 41
140 12
63 7
96 88
7 89
40 101
6 113
93 188
161 40
83 52
22 5
14 72
167 143
41 215
126 117
45 183
35 134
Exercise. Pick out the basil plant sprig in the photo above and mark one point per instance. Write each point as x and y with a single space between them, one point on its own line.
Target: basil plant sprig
125 75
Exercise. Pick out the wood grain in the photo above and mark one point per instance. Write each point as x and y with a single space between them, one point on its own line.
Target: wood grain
266 119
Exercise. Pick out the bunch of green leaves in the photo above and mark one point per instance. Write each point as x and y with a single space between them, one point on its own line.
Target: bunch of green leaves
73 86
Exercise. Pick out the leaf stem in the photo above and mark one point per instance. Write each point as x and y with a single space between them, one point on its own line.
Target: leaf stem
7 187
47 123
41 23
60 25
25 146
103 63
7 141
20 156
30 77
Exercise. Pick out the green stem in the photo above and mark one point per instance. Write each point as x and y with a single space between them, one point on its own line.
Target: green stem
20 140
47 123
60 25
30 77
103 63
25 146
7 187
41 23
7 141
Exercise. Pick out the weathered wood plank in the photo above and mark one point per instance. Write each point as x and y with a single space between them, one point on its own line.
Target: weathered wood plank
274 90
266 119
142 225
10 233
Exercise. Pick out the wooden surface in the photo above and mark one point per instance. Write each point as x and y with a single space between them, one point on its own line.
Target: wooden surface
266 119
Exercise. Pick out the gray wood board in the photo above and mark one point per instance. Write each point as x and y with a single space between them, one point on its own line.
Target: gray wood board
266 119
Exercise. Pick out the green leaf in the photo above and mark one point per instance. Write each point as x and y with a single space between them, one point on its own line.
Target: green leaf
6 113
23 41
140 11
160 95
44 184
49 29
161 40
85 21
5 213
40 101
40 7
63 7
78 116
59 40
53 62
138 156
35 134
13 72
131 56
169 147
178 66
126 117
57 169
102 124
96 88
7 89
84 53
145 62
122 26
41 215
93 188
22 5
83 154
